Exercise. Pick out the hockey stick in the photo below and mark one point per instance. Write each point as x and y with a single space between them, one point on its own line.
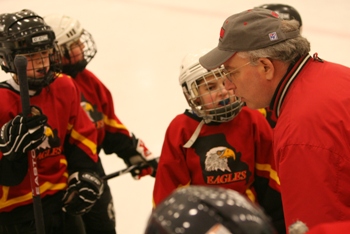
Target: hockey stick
121 172
21 66
127 170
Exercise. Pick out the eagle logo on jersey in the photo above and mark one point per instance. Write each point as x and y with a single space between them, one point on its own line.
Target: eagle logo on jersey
217 157
91 110
51 146
220 162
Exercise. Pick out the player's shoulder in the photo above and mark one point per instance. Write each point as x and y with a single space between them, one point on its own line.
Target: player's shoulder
246 111
184 120
63 80
253 116
88 76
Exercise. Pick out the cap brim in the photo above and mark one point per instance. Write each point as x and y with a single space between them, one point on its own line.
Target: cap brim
215 58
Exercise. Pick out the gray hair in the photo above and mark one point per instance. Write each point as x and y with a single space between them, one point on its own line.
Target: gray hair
287 51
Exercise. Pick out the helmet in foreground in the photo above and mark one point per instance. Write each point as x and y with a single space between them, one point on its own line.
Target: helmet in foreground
25 33
285 11
205 92
205 209
76 44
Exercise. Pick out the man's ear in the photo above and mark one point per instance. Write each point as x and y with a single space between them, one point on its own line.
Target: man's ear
269 68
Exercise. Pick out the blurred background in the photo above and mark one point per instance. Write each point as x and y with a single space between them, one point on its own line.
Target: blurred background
140 47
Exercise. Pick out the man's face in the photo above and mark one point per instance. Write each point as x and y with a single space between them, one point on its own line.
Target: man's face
247 81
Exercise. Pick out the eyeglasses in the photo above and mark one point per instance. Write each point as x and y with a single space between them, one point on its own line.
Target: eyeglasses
228 74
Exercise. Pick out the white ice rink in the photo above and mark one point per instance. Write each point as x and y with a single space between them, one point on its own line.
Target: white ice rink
140 46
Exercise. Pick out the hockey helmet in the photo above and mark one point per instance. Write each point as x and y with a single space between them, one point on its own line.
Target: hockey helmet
285 11
192 77
205 209
26 33
69 34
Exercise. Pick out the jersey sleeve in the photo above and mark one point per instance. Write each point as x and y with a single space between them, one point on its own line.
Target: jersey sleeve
117 139
267 183
172 169
265 162
12 172
81 138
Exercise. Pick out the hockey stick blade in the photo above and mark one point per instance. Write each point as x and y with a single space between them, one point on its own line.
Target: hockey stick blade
21 67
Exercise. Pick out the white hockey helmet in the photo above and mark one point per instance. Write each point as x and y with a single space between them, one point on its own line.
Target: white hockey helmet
191 75
68 30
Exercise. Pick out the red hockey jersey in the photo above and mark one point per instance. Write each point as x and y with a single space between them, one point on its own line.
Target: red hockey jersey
230 155
97 101
60 102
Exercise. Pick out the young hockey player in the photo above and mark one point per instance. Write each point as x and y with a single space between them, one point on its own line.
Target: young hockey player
218 143
78 48
60 133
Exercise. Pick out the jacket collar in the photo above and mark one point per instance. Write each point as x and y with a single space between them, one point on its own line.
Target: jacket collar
285 83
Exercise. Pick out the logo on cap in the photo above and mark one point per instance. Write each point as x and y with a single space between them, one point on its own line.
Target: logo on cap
222 32
275 14
273 36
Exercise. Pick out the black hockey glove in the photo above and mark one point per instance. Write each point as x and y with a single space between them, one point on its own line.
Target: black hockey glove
22 133
84 188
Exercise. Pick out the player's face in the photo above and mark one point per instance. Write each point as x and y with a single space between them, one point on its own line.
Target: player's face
76 52
38 64
212 92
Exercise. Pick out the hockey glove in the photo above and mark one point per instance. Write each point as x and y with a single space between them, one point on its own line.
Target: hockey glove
145 168
22 133
147 162
84 188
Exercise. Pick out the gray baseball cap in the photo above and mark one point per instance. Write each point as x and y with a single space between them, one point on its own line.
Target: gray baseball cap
249 30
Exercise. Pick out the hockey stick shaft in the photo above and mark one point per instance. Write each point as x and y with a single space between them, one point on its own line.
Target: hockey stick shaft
127 170
121 172
21 66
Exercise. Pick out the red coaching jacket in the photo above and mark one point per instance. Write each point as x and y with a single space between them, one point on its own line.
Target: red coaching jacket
312 141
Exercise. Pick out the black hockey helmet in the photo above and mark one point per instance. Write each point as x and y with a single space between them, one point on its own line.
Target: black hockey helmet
25 32
285 11
204 209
